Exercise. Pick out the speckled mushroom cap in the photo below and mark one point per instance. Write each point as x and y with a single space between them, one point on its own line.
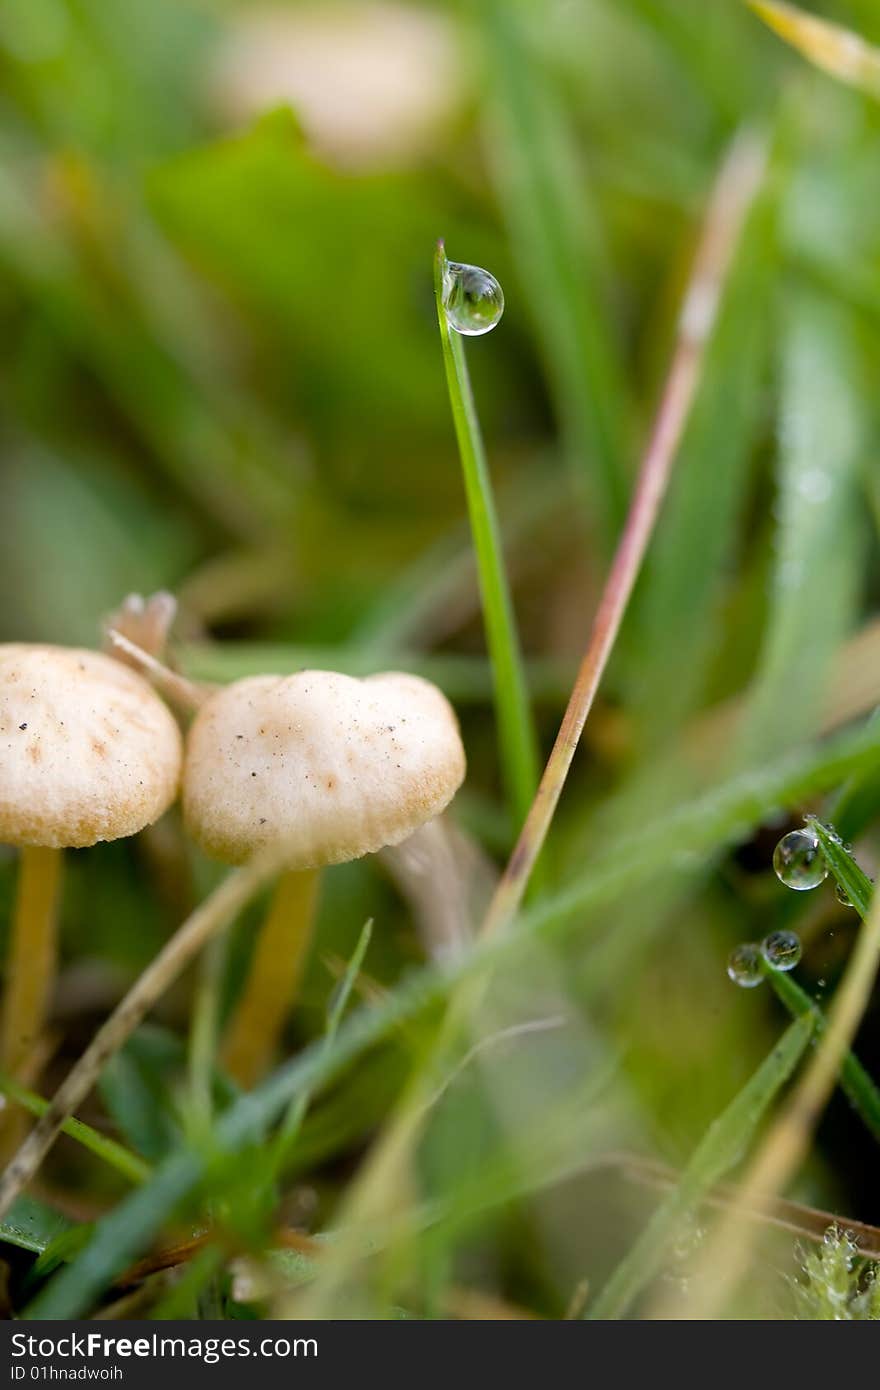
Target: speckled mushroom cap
88 751
330 766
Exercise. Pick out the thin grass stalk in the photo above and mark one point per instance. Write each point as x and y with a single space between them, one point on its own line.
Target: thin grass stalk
114 1154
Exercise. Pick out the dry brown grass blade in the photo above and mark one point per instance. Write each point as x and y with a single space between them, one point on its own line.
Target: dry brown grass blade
810 1223
735 190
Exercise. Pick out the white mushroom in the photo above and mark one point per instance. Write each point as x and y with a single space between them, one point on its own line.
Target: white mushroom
328 768
88 752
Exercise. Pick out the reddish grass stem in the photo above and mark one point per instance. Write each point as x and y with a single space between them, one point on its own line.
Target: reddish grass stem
737 184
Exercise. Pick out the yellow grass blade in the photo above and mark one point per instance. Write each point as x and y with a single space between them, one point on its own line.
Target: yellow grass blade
831 47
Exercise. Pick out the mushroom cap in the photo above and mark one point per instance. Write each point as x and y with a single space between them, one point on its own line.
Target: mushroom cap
88 751
328 766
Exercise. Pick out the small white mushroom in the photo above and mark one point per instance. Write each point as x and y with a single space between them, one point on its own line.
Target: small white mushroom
327 768
333 767
88 752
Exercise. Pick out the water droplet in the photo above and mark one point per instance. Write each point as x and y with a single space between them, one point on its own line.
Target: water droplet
798 861
472 298
781 949
744 965
842 896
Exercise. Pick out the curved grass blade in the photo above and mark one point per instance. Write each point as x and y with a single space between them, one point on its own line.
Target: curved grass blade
516 732
722 1146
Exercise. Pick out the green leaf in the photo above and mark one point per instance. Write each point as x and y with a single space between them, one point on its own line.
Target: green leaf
723 1145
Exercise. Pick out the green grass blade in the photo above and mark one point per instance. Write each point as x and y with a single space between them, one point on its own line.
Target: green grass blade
822 434
115 1155
853 880
292 1123
516 733
856 1083
721 1148
543 189
723 817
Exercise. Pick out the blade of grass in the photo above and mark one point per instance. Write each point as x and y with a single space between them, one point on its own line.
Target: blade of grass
721 1148
32 1225
852 879
725 1258
736 187
115 1155
723 817
831 47
544 193
204 1033
516 732
296 1112
822 433
859 1087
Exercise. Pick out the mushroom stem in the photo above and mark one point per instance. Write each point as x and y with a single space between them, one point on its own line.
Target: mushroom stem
31 964
273 980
